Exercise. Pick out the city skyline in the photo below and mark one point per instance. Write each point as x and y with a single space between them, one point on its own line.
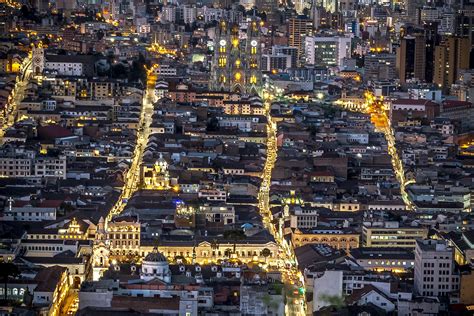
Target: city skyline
236 157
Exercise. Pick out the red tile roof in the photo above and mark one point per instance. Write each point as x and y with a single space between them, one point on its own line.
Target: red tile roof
413 102
48 278
448 104
44 203
50 203
53 131
145 304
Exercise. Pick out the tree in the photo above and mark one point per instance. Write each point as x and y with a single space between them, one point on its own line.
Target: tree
228 253
212 125
7 270
333 300
265 253
214 246
138 71
100 35
119 71
234 235
180 259
24 11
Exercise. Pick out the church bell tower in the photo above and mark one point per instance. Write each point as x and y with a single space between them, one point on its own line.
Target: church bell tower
236 62
100 251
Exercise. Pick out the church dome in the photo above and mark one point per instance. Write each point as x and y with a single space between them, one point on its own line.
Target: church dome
155 266
155 256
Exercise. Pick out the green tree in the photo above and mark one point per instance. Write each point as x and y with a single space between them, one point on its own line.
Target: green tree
214 247
119 71
138 71
7 270
228 253
234 236
180 259
265 253
337 301
212 125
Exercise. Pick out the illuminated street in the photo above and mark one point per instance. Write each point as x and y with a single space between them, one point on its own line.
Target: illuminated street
71 303
382 123
236 157
132 179
16 96
292 277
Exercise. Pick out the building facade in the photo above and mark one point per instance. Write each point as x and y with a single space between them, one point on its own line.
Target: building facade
236 62
434 268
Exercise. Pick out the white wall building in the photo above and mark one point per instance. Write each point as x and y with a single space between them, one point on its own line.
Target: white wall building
304 218
434 268
30 213
50 167
327 50
65 68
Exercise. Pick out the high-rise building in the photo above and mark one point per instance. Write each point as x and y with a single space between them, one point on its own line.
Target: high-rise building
278 62
286 50
412 10
267 6
40 5
451 56
464 22
431 40
327 51
222 4
411 58
298 28
435 273
380 66
330 5
236 62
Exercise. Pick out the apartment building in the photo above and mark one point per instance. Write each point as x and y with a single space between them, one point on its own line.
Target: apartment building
435 273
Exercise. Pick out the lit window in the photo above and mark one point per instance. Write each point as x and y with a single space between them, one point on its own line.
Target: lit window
237 76
222 61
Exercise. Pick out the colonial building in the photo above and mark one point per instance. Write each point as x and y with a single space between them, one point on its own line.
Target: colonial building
100 252
338 238
124 235
156 176
207 251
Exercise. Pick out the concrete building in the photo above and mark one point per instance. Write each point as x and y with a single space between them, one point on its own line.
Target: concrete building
435 273
278 62
298 28
20 163
336 238
304 218
380 67
26 211
391 234
328 51
286 50
449 58
411 58
384 259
